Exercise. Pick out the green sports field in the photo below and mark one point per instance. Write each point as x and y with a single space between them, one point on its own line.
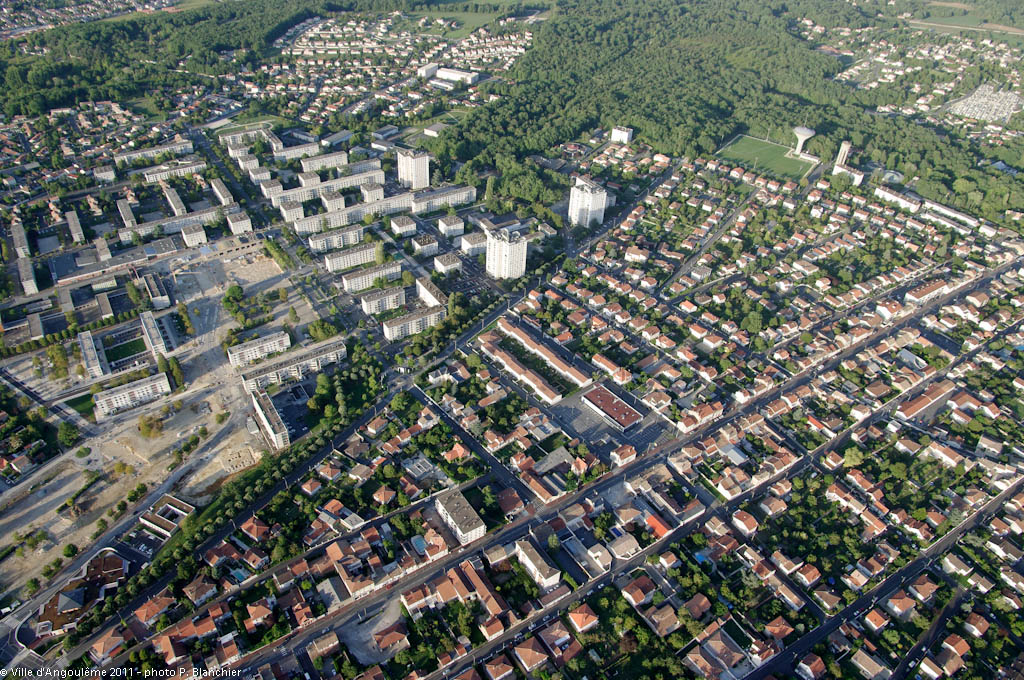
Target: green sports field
761 156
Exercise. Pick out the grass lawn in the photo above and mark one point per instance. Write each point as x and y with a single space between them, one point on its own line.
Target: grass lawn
147 106
468 21
83 405
125 349
959 20
757 155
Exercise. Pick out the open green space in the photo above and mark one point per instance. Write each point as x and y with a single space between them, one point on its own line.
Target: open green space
125 349
83 405
468 22
147 105
759 155
960 26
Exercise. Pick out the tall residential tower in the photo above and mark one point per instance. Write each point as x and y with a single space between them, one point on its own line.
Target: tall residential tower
413 168
587 202
506 254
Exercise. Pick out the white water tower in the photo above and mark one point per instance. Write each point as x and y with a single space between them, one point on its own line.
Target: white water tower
802 135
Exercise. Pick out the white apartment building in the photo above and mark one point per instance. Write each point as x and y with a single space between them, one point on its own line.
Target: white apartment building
295 364
371 192
362 279
451 225
539 569
124 209
424 245
445 263
20 239
239 223
151 334
457 75
341 260
473 243
269 420
587 202
622 135
460 517
158 294
258 349
95 362
418 203
311 186
413 168
403 226
176 148
27 275
325 161
506 254
382 300
430 200
291 211
194 235
171 169
117 399
174 200
413 323
221 191
338 238
75 226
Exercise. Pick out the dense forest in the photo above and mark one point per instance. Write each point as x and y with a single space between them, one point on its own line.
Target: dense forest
688 76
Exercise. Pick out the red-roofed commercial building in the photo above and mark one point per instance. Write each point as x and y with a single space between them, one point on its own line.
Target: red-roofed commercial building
613 410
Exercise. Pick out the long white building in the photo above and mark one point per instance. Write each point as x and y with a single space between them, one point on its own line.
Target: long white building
418 203
95 361
413 323
338 238
382 300
295 364
75 226
325 161
152 335
269 420
258 349
124 397
20 239
27 275
221 191
341 260
314 187
176 148
353 282
181 168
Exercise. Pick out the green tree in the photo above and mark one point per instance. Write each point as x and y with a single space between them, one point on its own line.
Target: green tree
67 434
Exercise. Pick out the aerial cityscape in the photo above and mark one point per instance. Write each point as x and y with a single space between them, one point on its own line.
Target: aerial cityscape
548 340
